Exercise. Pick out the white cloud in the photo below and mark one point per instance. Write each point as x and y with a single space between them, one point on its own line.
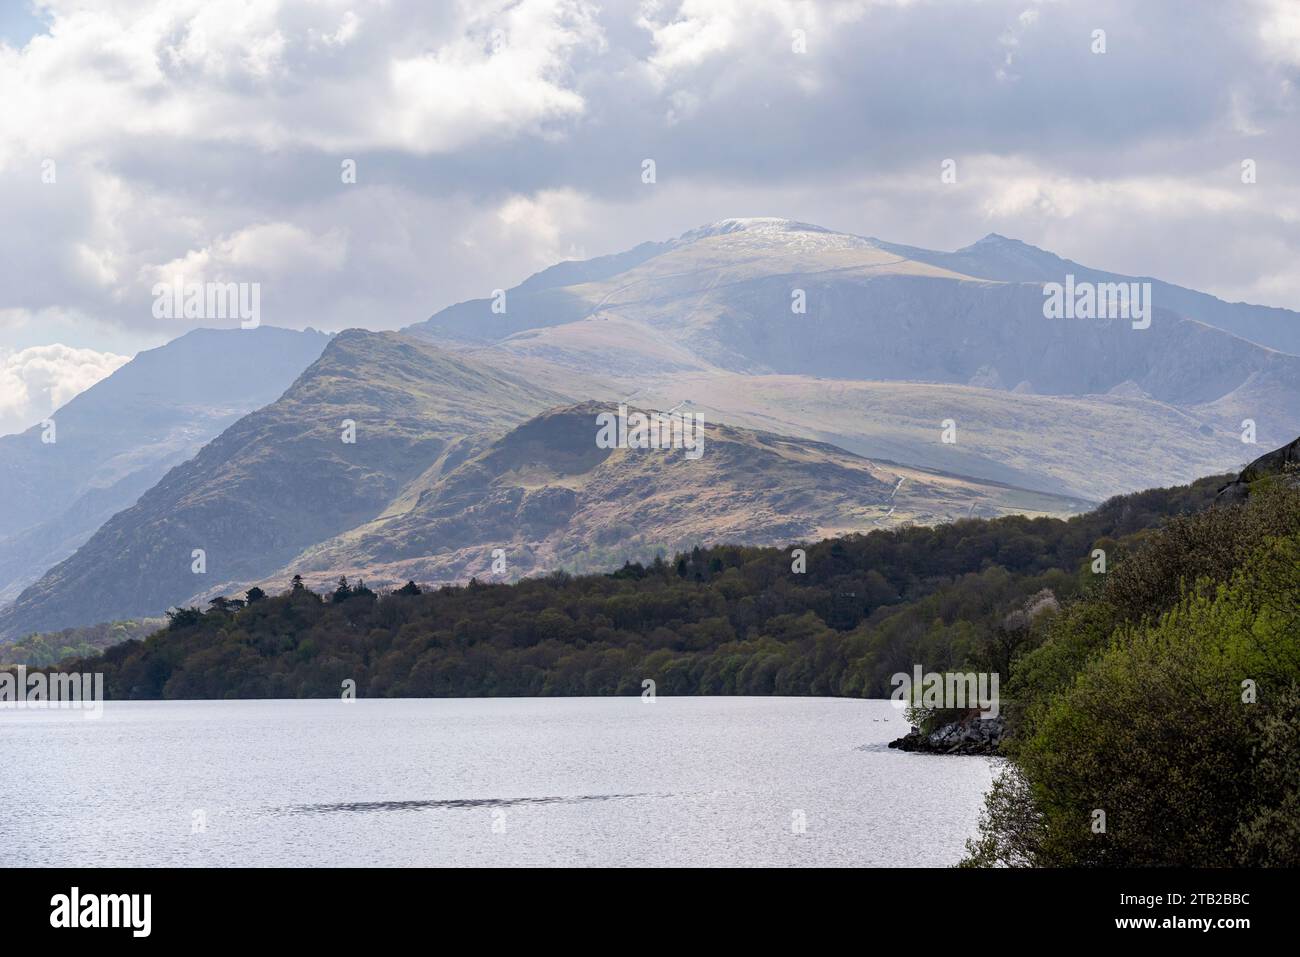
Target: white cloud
504 74
540 224
36 381
694 32
493 137
1015 187
286 75
1279 28
266 249
341 37
698 31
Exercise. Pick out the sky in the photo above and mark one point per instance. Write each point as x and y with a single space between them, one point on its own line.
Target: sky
144 140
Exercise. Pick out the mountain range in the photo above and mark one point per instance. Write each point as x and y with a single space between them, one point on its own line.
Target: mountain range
846 383
283 478
114 441
711 317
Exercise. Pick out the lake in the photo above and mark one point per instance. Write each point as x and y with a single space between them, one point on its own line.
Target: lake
483 782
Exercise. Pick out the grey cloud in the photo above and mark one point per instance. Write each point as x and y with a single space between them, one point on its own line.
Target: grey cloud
1066 149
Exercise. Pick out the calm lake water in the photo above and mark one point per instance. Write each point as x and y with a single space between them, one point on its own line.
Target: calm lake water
490 782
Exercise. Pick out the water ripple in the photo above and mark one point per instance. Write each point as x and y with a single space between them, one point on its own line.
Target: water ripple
363 806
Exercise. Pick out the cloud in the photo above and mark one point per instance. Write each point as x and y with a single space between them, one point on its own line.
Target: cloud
491 137
259 251
1279 29
503 75
692 32
36 381
292 75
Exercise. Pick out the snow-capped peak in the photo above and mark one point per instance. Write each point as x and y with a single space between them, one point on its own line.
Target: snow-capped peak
751 224
771 234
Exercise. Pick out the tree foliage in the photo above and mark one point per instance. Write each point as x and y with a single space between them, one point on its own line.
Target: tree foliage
1168 701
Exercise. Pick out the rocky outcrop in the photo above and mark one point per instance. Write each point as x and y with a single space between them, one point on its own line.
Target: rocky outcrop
970 735
1283 461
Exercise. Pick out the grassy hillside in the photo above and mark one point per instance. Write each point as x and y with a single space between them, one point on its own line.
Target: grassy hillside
1065 445
550 499
1089 447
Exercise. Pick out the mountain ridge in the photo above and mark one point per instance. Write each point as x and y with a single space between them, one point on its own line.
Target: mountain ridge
768 326
714 305
548 498
279 479
113 441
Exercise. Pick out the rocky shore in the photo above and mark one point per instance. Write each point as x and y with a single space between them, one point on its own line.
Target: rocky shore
971 735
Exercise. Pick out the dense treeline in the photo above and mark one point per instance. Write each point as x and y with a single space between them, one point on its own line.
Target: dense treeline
722 620
50 648
1158 722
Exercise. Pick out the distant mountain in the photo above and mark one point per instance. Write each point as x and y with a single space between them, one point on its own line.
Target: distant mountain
548 497
726 296
116 439
1010 260
1078 407
821 361
282 478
